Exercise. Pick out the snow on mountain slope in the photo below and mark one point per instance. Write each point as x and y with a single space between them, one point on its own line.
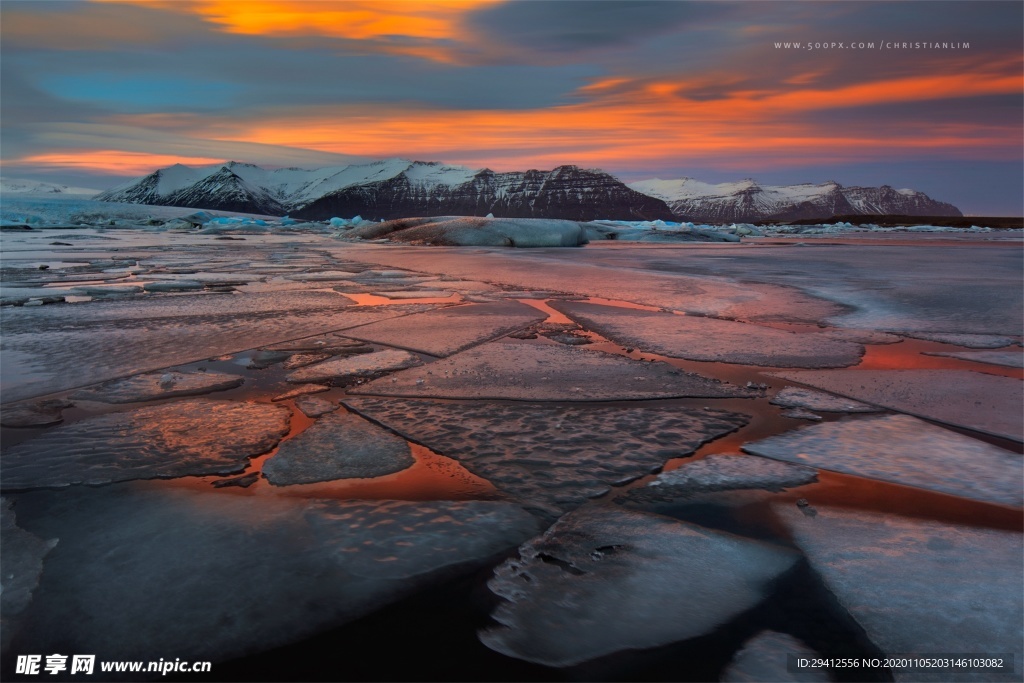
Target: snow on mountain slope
40 187
746 200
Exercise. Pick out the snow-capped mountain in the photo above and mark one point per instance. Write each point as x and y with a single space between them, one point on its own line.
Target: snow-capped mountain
393 188
746 200
40 187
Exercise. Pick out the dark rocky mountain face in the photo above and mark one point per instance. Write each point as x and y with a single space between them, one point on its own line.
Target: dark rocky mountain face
566 192
225 191
220 191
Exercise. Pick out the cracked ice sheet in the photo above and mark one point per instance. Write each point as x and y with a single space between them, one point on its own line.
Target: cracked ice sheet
449 330
603 580
621 273
188 437
53 348
552 458
170 572
508 370
709 339
904 450
984 403
919 587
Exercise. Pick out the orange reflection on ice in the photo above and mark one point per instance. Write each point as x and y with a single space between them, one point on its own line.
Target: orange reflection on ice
376 300
909 355
869 494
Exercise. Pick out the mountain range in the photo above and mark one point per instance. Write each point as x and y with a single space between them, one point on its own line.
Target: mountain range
397 188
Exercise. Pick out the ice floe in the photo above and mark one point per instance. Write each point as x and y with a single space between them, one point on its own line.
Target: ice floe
448 330
1011 359
35 413
903 450
187 437
920 587
147 572
971 341
313 406
337 446
604 580
468 231
984 403
722 473
799 397
342 370
521 371
157 385
301 391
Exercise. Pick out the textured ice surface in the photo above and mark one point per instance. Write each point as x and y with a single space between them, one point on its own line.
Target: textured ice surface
43 347
509 370
764 658
313 406
344 369
654 277
446 331
799 397
920 587
553 458
337 446
722 473
603 580
709 339
34 414
971 341
188 437
1011 359
904 450
147 571
985 403
155 385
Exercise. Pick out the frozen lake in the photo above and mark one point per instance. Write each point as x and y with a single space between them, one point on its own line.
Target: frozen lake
261 444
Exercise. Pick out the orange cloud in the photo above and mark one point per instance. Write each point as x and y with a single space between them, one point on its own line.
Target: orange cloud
649 122
423 28
111 161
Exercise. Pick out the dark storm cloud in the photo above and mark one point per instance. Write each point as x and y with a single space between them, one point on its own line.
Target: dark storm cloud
589 25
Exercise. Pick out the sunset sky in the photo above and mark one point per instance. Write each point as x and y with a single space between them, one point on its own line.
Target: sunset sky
96 92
